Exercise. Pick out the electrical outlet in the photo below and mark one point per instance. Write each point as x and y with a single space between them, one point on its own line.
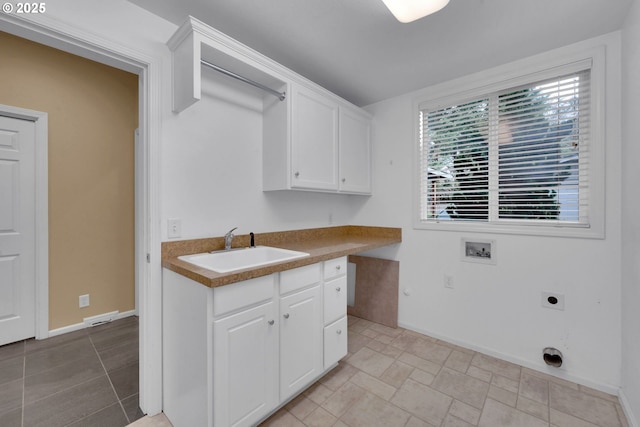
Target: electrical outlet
553 300
448 281
83 301
174 228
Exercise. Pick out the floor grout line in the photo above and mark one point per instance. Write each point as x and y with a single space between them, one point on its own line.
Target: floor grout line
109 379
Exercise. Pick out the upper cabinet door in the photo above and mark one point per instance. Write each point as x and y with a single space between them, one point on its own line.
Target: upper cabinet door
314 141
355 152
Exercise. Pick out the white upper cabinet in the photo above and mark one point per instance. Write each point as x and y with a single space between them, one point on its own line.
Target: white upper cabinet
325 147
355 152
313 140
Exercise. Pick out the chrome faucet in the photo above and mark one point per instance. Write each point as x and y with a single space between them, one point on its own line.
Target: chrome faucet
228 239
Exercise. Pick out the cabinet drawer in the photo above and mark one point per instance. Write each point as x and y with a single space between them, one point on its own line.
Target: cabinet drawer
335 299
229 298
335 267
335 342
299 278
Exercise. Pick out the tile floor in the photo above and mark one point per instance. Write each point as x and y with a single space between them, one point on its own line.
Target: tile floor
391 377
84 378
395 377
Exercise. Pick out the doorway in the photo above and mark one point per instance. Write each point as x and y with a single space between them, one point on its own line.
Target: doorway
148 256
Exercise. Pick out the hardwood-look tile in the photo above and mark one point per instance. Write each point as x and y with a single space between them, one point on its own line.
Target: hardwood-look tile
70 405
11 369
125 380
43 384
11 395
9 351
46 359
114 333
119 355
33 345
132 409
12 418
111 416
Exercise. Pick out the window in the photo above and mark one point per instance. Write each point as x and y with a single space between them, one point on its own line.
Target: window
513 155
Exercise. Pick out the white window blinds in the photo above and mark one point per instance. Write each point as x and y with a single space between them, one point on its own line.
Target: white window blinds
518 155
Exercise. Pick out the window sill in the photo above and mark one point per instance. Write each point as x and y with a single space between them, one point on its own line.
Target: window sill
561 231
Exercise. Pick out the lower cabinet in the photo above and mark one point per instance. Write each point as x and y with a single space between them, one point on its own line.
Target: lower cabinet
300 341
236 353
335 342
245 380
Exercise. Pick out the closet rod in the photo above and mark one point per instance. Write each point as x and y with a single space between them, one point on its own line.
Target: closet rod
281 95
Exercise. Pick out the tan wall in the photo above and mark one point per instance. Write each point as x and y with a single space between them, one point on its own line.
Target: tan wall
93 112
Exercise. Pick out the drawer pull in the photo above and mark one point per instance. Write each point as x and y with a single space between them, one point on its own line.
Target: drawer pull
286 315
271 322
339 331
338 289
337 267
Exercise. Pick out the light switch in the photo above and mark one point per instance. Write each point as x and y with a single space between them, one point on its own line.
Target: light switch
174 228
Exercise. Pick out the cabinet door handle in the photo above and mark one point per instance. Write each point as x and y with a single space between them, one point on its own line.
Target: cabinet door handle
338 289
297 174
344 179
271 322
286 315
337 267
339 331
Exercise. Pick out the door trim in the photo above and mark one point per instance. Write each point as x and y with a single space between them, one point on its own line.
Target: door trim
41 226
51 32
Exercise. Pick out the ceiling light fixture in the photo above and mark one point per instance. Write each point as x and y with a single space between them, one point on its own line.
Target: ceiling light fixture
410 10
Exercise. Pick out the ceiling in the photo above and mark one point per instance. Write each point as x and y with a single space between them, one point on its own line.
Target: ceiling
356 48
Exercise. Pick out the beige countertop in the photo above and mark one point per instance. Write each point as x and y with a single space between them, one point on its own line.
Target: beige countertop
321 244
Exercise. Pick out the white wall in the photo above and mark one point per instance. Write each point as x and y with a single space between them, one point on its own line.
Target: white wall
497 309
210 179
630 208
211 154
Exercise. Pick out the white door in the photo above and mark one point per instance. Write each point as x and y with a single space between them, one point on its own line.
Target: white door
245 368
314 145
17 229
300 340
355 152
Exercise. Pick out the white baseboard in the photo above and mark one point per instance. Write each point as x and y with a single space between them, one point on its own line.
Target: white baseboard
555 372
89 320
626 407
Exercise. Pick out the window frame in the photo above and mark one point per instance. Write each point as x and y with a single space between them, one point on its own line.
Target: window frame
527 71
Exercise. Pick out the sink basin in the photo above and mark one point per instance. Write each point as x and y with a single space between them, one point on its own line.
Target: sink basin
241 258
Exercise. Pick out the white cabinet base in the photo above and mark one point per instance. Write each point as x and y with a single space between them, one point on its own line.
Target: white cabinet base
235 354
335 342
